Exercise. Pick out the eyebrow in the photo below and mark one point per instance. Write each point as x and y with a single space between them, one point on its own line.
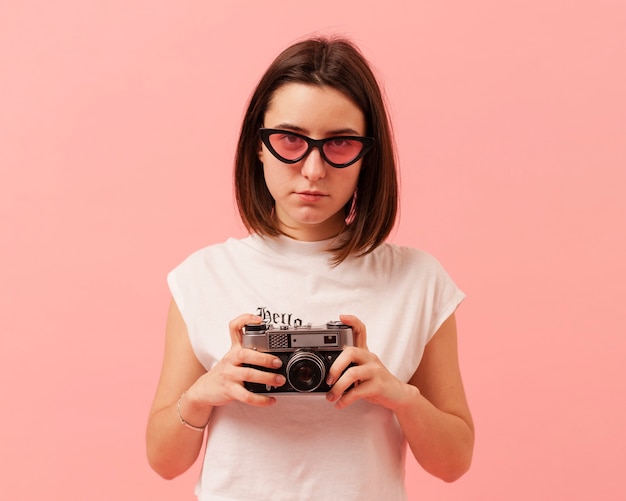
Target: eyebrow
300 130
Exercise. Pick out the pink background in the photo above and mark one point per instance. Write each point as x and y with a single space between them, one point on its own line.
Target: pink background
117 128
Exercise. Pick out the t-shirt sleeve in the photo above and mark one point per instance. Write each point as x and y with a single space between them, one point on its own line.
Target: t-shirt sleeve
185 284
446 296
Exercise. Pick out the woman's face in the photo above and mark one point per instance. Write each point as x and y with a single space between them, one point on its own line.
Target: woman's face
310 194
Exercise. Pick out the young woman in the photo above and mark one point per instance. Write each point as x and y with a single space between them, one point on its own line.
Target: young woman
316 186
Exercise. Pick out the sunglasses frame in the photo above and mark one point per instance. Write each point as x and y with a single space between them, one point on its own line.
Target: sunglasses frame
367 142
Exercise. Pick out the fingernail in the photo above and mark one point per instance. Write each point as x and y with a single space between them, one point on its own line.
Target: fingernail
329 381
280 380
330 397
277 362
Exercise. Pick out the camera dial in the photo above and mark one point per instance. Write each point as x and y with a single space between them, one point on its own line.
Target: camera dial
255 327
336 324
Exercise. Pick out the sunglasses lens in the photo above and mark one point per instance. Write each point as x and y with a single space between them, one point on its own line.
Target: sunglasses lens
288 146
342 150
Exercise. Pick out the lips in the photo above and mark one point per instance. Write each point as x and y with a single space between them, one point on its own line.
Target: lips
311 196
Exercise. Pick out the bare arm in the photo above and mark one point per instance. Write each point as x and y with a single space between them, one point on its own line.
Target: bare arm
435 418
172 447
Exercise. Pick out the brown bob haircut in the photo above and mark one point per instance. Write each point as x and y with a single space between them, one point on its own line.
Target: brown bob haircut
337 63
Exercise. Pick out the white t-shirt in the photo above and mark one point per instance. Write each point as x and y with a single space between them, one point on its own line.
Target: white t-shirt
303 448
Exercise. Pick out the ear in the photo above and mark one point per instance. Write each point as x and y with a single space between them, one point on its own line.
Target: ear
260 152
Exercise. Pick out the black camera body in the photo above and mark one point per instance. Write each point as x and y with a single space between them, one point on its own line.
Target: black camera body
307 353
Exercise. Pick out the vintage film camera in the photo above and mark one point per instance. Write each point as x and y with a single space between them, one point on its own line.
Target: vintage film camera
307 353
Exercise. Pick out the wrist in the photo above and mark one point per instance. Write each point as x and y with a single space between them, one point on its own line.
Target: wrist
410 398
191 416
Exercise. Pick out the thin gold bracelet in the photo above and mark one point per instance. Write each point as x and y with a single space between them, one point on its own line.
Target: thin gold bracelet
185 423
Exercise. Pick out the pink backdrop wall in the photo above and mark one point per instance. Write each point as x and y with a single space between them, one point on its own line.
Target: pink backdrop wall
117 127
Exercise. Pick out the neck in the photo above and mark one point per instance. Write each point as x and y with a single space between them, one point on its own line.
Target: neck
312 232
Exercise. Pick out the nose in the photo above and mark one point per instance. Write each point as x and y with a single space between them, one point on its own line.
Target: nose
313 166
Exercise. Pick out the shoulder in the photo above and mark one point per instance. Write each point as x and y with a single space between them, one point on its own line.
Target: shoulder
201 265
415 268
212 254
423 274
405 258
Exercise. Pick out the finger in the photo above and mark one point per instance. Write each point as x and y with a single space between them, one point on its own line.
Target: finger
252 357
358 330
350 355
256 399
349 380
255 375
347 398
237 324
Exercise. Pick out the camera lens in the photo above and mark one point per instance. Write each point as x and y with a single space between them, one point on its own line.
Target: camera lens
305 375
305 371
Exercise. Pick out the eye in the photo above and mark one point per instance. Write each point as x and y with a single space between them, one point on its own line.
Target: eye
290 141
338 142
342 145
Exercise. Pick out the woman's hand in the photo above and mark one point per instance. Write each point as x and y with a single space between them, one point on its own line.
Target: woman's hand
171 447
371 379
435 418
224 382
